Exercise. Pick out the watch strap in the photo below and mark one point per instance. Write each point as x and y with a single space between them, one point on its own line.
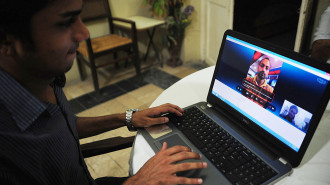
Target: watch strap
129 116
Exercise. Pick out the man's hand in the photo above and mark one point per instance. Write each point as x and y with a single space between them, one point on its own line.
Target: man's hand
162 168
152 116
321 50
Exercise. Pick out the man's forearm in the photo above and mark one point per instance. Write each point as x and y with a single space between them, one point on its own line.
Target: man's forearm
90 126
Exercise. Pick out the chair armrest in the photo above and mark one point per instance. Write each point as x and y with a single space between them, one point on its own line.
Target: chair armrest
106 146
122 20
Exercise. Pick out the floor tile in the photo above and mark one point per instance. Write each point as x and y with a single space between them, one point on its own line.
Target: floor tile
109 107
122 158
76 106
146 94
185 72
100 166
160 78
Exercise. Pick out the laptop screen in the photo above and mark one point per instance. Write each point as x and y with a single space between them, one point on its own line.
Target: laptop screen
277 93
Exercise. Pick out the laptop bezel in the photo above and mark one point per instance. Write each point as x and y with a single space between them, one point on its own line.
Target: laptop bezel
293 157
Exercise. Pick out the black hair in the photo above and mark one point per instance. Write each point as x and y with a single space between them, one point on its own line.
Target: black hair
15 17
294 107
270 65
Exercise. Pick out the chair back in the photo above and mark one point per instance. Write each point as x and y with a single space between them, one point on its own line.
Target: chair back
95 10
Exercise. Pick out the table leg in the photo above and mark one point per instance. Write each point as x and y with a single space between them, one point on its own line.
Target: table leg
151 43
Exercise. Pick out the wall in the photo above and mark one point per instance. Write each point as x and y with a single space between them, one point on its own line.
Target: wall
192 42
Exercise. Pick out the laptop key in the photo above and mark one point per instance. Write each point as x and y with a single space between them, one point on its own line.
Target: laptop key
193 138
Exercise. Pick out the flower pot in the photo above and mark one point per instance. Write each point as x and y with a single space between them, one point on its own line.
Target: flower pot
175 53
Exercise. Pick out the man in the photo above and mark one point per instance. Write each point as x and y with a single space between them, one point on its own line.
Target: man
39 135
262 74
321 41
291 114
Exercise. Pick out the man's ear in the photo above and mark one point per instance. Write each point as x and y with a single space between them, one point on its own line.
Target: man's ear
7 46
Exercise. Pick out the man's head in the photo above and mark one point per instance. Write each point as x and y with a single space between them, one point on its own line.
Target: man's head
263 68
40 37
293 111
15 17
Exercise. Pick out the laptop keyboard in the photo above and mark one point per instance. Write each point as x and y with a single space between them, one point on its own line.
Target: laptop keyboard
233 159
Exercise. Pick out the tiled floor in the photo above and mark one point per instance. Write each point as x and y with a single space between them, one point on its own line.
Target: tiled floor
119 92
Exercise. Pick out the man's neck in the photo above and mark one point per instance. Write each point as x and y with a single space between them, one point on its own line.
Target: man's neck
259 81
38 86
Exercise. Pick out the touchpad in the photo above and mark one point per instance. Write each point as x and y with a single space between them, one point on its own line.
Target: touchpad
172 140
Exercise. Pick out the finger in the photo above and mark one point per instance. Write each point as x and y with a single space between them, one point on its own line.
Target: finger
185 180
178 108
164 147
159 120
188 166
183 156
161 110
178 112
176 149
174 106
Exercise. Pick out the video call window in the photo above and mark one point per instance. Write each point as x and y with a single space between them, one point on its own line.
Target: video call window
261 78
295 115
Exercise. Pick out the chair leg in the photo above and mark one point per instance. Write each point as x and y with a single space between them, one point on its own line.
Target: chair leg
152 44
115 56
137 60
94 75
79 63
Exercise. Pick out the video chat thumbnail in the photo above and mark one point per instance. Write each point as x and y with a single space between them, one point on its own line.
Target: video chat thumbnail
295 115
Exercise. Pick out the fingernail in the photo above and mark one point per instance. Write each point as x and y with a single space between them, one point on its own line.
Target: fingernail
166 120
204 164
200 156
200 181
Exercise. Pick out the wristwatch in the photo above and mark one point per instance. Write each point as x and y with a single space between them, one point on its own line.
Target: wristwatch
129 115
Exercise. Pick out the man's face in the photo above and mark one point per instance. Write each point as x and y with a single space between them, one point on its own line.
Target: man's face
292 113
263 69
56 32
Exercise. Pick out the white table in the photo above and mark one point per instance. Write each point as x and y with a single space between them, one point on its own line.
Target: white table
145 23
315 166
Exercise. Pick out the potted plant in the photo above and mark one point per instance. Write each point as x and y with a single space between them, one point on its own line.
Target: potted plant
177 19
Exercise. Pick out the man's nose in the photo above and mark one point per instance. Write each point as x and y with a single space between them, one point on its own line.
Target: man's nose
81 32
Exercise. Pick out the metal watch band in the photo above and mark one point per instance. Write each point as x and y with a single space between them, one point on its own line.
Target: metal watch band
129 115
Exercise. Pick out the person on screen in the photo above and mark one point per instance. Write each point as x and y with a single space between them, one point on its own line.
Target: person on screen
262 73
291 114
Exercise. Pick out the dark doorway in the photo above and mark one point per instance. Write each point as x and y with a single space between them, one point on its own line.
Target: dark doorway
274 21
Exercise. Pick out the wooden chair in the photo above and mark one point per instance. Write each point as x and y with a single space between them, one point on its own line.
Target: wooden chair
92 48
106 146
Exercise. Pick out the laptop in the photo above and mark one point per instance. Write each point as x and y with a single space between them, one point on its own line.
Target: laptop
262 109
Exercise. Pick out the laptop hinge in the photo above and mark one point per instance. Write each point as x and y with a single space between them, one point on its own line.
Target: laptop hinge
283 160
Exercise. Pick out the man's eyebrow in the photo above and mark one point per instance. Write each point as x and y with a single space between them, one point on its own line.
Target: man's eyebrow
71 13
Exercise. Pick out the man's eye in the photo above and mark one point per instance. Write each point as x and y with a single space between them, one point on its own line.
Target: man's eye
67 23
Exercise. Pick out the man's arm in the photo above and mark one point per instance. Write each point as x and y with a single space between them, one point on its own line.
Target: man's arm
90 126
